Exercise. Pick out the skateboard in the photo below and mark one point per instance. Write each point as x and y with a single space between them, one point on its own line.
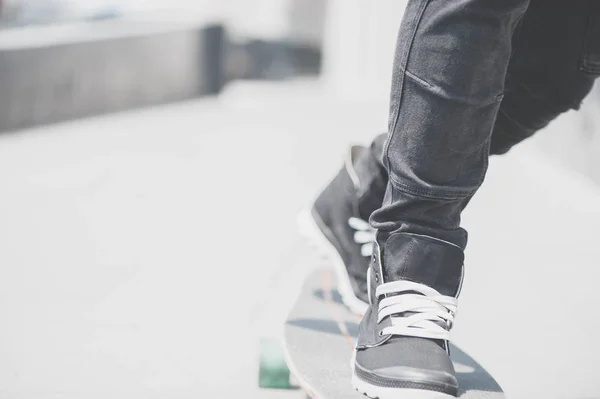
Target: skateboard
318 340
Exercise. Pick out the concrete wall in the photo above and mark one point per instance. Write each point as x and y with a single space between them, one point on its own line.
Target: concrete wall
156 54
51 74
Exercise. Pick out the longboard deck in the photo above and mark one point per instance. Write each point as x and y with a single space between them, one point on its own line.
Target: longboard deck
319 337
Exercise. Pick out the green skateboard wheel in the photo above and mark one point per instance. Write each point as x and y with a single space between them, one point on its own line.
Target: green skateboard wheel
273 372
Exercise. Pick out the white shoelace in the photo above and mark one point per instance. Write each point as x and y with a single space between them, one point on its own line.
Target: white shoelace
429 308
364 235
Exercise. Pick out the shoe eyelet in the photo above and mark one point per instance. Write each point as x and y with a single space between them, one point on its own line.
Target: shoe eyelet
376 277
380 333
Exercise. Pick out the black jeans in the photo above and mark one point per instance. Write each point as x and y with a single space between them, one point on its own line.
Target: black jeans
471 78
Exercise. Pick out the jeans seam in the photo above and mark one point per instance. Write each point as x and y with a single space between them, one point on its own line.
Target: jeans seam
431 193
419 80
439 91
400 85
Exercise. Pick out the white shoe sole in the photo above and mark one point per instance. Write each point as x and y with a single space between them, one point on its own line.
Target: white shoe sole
309 228
377 392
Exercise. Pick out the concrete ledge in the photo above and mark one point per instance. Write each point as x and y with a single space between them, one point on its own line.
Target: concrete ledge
51 74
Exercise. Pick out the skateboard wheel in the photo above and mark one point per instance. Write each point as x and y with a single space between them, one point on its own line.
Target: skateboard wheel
273 372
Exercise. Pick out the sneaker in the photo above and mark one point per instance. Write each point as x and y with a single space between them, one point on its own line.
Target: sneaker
343 234
403 348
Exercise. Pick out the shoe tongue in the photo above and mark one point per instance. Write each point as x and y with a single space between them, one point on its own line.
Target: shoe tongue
425 260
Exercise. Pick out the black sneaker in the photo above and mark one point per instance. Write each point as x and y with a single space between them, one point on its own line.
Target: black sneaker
343 234
403 344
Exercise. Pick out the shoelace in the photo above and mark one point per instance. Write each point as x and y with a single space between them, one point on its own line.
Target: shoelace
430 311
364 235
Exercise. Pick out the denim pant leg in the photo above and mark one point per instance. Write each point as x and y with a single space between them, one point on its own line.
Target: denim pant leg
551 71
552 68
449 72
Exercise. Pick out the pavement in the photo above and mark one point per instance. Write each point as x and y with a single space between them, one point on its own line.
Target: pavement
140 250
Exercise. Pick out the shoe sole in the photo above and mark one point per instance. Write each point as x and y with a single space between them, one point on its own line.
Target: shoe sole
378 392
316 232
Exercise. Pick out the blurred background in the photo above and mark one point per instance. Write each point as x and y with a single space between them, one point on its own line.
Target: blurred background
154 156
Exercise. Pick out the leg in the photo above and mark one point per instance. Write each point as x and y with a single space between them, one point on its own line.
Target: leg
542 83
356 192
449 74
436 161
358 189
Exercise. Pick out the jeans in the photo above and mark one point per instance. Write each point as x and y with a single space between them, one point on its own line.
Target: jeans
471 78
